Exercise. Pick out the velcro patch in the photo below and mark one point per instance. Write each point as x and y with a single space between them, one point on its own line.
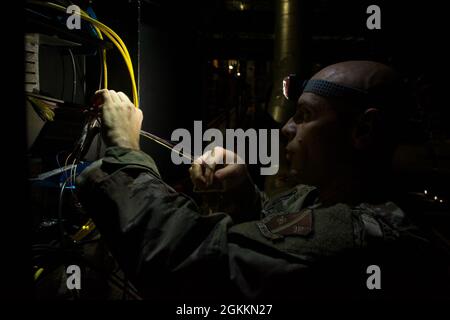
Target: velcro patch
279 225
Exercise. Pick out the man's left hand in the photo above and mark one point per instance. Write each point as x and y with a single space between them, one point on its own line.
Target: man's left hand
121 120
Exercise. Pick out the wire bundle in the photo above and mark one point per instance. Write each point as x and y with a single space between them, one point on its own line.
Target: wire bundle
101 28
44 111
117 41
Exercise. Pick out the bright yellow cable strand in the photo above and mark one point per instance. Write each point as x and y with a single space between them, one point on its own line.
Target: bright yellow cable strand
38 273
105 67
112 36
99 33
105 71
117 42
128 62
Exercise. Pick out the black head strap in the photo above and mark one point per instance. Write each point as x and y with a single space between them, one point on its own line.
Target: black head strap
293 87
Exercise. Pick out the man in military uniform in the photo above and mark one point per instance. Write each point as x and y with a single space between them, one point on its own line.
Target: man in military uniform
315 240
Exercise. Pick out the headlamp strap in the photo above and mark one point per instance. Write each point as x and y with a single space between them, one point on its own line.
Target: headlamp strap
330 89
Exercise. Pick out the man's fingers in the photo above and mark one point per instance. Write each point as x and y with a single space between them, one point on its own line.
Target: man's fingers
196 173
114 96
209 174
141 115
105 96
123 97
101 91
197 177
210 163
228 172
205 168
101 97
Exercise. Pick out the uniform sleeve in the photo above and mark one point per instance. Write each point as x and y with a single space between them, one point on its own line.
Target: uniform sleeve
168 249
156 234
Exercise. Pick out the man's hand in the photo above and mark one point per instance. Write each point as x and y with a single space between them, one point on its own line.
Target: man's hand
121 120
239 198
211 167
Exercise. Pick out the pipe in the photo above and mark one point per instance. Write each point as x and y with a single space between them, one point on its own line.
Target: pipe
289 54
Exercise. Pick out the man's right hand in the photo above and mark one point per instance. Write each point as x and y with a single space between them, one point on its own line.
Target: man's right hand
211 167
240 197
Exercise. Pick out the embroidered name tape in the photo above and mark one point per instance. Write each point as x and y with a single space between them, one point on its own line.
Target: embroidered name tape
279 225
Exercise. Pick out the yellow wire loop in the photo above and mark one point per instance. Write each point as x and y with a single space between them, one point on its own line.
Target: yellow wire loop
115 39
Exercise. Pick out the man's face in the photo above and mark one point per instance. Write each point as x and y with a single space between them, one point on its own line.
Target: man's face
318 144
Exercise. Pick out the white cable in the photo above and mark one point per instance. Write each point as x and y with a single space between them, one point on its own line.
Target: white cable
74 90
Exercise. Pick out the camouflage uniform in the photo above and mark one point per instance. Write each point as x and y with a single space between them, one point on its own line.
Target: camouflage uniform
289 246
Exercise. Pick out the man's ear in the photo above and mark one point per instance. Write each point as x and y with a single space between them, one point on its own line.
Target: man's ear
364 132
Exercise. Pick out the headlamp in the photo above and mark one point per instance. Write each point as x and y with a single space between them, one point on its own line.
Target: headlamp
293 87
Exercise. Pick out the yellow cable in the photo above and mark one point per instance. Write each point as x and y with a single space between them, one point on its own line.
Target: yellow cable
128 63
105 71
112 36
122 49
38 273
105 67
43 110
86 229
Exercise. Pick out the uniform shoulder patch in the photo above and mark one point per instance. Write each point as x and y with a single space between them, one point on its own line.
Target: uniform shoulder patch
276 226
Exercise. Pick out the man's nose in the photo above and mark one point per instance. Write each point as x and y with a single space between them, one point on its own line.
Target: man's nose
289 130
